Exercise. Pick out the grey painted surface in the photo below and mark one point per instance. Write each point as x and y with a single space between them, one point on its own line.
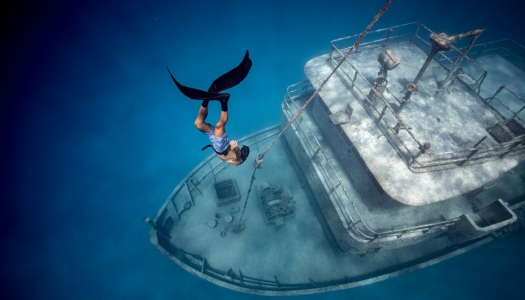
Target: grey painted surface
466 122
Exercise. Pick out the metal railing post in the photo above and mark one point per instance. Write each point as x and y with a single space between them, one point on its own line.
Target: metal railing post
381 115
473 151
495 94
213 173
480 50
387 36
519 111
416 33
500 46
422 149
353 81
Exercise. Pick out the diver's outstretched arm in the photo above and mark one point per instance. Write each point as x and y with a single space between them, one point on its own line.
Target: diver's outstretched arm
225 81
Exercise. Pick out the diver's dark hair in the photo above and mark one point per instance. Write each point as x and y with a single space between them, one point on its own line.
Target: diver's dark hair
245 151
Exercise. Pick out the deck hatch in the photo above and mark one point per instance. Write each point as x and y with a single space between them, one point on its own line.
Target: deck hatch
226 192
507 130
515 128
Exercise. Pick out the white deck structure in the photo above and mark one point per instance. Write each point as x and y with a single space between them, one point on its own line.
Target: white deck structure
449 121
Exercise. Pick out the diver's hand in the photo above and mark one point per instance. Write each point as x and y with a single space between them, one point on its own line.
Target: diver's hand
234 145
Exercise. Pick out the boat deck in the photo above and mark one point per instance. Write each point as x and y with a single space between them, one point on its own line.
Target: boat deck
379 211
297 253
260 250
448 121
297 259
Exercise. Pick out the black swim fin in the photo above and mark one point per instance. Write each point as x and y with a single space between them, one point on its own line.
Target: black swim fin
191 92
226 81
232 77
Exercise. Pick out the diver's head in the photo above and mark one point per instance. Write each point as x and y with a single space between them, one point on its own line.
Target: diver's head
245 151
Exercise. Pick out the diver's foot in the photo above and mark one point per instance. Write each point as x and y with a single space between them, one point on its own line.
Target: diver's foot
223 97
224 101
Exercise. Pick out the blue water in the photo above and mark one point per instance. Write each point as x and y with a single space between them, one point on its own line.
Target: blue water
95 135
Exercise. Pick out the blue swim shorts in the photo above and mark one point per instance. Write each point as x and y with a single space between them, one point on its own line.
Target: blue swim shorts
219 143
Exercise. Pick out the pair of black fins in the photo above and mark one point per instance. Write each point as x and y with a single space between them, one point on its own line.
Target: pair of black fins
224 82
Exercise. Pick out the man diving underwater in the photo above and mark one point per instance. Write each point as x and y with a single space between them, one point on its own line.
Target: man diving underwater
225 149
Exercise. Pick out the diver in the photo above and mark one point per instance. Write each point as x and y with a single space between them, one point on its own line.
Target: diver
225 149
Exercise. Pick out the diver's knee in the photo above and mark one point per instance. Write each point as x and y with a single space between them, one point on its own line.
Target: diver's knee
199 125
220 125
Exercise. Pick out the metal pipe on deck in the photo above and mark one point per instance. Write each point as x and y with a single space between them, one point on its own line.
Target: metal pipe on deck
377 90
440 42
452 74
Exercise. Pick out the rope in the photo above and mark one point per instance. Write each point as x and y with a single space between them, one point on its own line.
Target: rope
258 160
376 17
247 195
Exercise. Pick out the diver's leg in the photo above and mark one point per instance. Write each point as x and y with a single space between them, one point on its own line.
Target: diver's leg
201 117
220 127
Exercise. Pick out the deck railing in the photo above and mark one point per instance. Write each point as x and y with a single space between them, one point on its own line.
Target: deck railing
236 278
181 197
507 48
354 221
505 102
390 122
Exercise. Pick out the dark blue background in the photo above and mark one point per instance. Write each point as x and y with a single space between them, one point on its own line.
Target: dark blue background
95 135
